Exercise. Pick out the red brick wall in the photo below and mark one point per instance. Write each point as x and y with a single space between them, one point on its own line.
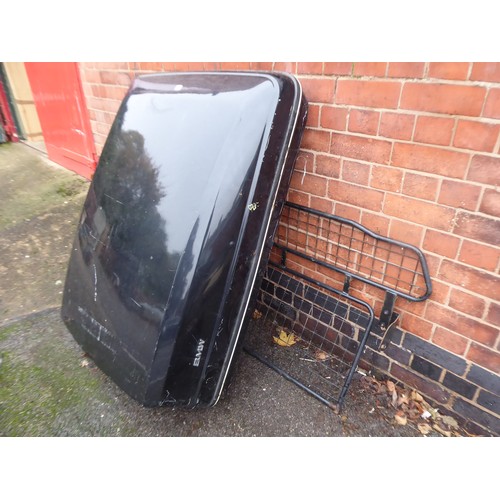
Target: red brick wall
410 150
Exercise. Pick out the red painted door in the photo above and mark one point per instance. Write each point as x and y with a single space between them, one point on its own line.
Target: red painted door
58 95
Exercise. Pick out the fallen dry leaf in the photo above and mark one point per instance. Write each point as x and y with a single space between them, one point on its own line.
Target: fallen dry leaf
400 418
442 431
434 413
413 413
417 407
403 399
285 339
257 314
320 355
370 381
410 406
424 429
84 363
415 396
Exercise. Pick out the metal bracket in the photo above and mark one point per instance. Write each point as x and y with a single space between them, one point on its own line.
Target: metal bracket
384 341
387 309
388 318
347 283
283 257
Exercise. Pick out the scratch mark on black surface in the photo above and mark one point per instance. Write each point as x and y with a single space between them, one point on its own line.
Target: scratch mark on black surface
114 199
95 283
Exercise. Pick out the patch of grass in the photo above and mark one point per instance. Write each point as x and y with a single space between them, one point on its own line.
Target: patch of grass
44 389
6 331
69 189
32 397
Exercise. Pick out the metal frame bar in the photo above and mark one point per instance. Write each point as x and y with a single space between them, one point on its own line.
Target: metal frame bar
310 240
421 258
336 404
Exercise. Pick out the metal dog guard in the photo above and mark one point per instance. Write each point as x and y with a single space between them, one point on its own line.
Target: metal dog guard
311 323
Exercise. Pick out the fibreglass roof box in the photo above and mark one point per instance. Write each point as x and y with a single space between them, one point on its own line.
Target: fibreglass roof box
177 226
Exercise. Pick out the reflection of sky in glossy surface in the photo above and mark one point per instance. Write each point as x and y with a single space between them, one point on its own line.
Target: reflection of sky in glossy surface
199 142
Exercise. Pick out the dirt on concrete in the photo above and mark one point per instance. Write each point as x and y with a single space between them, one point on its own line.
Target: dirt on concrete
40 204
49 387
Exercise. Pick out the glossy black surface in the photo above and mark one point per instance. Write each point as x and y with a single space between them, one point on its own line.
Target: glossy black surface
173 229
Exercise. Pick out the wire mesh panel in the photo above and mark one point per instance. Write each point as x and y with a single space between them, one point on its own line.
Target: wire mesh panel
307 325
308 332
348 247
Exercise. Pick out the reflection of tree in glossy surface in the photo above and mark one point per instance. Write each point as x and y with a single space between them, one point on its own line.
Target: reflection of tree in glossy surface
128 190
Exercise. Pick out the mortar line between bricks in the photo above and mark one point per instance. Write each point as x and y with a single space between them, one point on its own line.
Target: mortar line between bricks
406 111
34 314
425 80
451 149
469 71
496 149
